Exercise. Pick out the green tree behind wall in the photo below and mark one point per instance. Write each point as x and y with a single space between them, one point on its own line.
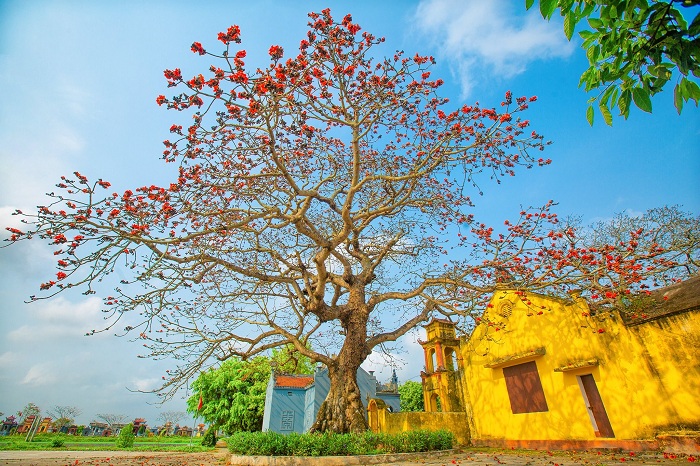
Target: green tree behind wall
233 396
289 361
411 396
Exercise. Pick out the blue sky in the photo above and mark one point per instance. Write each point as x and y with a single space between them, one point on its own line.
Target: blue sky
79 82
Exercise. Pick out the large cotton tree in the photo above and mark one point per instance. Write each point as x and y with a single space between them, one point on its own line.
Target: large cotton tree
322 202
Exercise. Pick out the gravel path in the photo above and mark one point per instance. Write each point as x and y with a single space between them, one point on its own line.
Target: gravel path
221 458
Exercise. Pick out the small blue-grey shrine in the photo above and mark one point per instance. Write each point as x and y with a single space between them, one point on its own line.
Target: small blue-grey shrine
292 401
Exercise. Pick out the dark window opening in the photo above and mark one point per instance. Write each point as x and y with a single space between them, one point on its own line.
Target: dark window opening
525 388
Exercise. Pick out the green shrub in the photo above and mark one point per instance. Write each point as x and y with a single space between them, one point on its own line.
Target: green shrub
442 440
333 444
302 445
327 444
126 437
57 442
209 438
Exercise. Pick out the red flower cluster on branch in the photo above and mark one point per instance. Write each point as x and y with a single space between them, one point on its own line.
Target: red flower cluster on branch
233 34
197 48
276 52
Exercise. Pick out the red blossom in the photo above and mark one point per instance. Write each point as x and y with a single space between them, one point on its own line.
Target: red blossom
197 48
173 77
233 34
61 275
354 28
276 52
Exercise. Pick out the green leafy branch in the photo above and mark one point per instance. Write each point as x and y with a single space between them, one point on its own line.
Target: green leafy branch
634 48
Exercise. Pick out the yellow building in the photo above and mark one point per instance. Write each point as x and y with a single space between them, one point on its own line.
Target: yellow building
546 372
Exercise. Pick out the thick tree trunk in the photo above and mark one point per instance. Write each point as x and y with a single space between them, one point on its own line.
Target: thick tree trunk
342 411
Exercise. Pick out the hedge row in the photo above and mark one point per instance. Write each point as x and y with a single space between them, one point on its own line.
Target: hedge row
368 443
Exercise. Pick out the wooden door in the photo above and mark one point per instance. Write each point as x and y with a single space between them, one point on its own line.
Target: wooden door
596 409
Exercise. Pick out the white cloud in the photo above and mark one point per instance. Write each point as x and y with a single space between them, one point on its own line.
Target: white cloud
75 100
43 160
59 318
43 127
40 374
489 38
8 359
9 220
406 358
145 385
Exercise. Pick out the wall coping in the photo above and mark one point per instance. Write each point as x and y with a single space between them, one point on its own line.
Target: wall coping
516 358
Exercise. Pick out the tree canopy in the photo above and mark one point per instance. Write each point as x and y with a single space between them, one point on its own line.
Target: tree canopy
29 410
64 415
634 48
323 202
233 395
171 417
411 396
288 360
111 419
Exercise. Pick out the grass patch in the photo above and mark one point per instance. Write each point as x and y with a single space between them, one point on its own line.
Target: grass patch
368 443
76 442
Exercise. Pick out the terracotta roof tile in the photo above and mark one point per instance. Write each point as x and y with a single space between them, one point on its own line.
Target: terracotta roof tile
294 381
673 299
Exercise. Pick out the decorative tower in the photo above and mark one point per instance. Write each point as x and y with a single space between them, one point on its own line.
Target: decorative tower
441 387
394 383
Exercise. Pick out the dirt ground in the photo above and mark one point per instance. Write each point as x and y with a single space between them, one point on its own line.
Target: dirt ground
107 458
221 458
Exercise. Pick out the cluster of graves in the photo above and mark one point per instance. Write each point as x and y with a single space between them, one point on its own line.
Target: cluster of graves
33 424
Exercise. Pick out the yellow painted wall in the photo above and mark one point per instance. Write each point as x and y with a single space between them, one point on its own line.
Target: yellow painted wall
648 375
671 355
381 420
